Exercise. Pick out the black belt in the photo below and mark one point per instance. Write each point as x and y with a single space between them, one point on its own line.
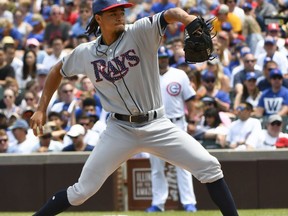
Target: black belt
134 118
175 119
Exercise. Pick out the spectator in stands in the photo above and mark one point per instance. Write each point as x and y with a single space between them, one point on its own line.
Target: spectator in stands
90 137
10 53
223 15
9 103
46 143
12 84
65 98
57 28
233 8
70 15
272 133
3 121
161 6
272 53
23 143
9 30
57 125
222 78
264 9
222 48
26 8
4 12
82 38
243 133
3 141
90 92
273 30
33 44
221 97
251 93
275 99
30 100
240 77
22 26
175 30
29 68
38 29
76 133
251 29
57 54
27 114
41 75
6 70
263 82
79 28
213 127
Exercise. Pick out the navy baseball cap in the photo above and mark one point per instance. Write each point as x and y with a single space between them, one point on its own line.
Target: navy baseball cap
247 6
275 73
251 75
104 5
226 26
163 52
208 75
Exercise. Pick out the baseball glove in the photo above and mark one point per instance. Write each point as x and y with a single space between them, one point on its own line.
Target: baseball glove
198 46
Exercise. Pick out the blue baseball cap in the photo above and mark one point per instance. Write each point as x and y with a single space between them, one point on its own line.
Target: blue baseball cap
208 75
163 52
275 72
247 6
251 75
270 40
19 123
104 5
226 26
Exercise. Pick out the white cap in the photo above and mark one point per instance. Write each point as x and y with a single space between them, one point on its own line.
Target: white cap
76 130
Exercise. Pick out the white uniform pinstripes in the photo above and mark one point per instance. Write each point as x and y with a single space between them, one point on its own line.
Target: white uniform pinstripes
175 90
127 79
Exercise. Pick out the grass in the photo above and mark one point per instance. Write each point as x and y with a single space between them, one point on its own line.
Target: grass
258 212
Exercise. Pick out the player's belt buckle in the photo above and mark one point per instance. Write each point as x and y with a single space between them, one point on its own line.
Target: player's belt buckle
138 119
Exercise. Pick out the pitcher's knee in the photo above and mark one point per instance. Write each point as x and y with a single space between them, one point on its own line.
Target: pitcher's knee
210 172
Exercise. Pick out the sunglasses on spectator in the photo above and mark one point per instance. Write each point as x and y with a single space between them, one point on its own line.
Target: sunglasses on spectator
29 99
276 77
56 13
8 96
208 103
84 124
250 60
210 80
86 11
3 140
67 91
240 108
277 123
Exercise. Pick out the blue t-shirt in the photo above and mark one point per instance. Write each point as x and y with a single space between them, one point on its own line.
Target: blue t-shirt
223 96
72 148
272 102
158 7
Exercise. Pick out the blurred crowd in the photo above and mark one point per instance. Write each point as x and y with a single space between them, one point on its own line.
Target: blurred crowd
241 97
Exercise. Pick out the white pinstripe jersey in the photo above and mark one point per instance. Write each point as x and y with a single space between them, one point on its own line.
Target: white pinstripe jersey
125 74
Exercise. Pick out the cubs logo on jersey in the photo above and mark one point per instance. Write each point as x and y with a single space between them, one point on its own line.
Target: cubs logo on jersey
174 89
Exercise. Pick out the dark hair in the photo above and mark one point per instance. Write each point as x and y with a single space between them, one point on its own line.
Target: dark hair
51 114
93 27
25 70
89 102
213 112
248 106
81 36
